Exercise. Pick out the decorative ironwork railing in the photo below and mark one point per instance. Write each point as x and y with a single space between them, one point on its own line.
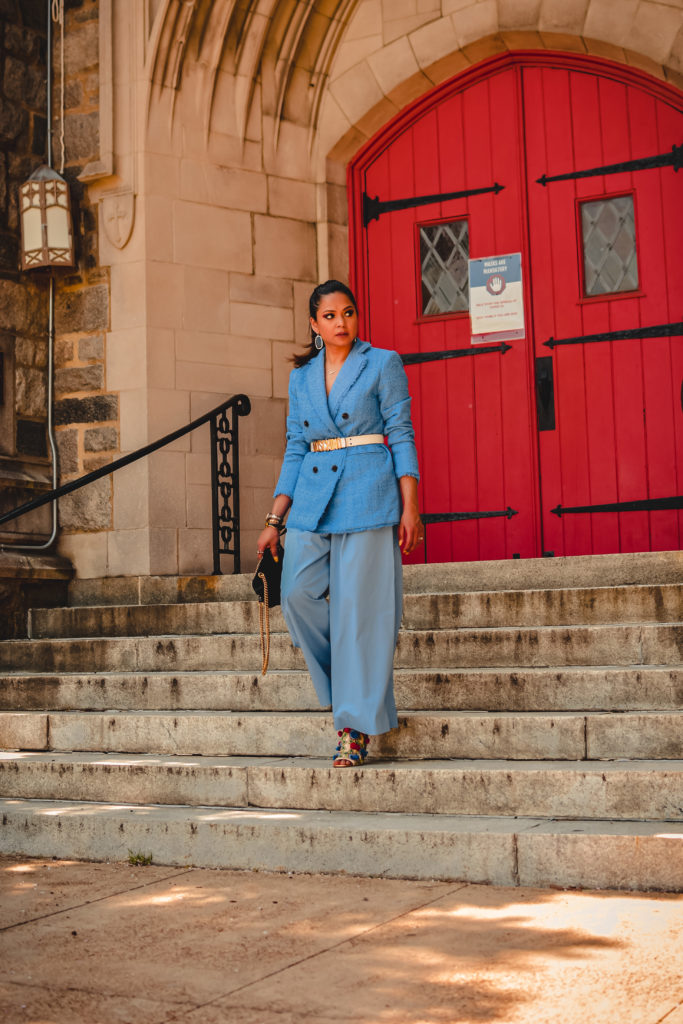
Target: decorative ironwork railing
224 421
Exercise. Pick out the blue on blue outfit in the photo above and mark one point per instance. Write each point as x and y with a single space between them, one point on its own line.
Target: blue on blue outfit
341 542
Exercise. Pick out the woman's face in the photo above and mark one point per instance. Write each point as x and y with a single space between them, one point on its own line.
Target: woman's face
336 321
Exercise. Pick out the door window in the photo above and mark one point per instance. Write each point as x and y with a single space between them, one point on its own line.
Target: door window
444 255
608 232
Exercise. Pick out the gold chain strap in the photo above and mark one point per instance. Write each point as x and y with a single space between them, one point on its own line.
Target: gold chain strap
264 612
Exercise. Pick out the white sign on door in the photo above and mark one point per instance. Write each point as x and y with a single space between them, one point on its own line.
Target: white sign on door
496 298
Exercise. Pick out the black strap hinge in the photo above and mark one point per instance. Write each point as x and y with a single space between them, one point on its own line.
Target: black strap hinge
373 208
644 505
656 331
673 159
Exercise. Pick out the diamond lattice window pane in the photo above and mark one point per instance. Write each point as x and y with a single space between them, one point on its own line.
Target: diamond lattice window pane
609 246
444 255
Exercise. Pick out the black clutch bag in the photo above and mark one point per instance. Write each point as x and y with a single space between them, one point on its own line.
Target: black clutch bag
266 581
266 584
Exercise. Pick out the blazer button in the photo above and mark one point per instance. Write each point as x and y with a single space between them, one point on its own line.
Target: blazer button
315 469
305 423
345 415
334 469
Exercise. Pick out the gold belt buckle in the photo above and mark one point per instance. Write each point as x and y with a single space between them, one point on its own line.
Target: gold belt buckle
329 444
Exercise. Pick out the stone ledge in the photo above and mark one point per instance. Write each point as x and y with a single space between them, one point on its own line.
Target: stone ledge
38 566
493 850
34 475
549 790
632 568
29 580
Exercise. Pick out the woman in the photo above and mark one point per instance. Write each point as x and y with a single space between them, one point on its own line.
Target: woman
353 510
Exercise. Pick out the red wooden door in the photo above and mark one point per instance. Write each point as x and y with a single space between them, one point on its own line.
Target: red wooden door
607 427
472 413
618 436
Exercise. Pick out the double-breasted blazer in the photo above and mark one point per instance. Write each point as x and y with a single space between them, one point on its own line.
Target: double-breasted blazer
350 489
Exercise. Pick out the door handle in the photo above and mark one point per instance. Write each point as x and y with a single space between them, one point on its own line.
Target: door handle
545 393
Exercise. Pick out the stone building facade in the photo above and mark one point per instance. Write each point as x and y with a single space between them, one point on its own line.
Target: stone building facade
206 146
24 468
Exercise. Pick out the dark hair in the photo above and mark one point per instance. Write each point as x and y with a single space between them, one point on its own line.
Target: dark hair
326 288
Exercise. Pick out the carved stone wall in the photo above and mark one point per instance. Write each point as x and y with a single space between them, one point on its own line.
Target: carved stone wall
86 412
24 467
86 416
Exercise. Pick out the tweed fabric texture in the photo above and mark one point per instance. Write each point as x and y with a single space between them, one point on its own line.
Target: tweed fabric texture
356 488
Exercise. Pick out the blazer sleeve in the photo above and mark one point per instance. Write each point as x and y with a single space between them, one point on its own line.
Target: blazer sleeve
296 445
394 400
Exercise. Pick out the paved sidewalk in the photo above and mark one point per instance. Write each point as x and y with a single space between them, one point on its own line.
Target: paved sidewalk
85 943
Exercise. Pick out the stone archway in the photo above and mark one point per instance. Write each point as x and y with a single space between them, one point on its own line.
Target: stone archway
365 95
311 86
533 426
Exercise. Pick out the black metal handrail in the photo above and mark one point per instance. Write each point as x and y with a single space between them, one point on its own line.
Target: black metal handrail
224 476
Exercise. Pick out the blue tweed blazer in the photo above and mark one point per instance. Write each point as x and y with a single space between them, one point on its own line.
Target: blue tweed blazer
351 489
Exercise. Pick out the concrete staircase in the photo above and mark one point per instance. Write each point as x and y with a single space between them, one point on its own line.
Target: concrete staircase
540 738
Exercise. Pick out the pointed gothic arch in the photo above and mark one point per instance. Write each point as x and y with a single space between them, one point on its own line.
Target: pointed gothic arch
567 439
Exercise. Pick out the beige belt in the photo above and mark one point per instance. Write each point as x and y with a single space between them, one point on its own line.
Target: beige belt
333 444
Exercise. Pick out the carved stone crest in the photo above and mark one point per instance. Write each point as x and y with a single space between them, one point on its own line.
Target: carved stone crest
118 216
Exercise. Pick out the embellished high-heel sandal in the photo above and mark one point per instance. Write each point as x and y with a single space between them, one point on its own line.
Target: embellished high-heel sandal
352 749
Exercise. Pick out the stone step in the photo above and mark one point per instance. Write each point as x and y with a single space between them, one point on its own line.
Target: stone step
623 790
527 689
645 568
495 850
237 617
550 607
488 610
421 734
632 644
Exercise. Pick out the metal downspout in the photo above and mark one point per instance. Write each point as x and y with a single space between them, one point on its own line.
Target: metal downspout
51 322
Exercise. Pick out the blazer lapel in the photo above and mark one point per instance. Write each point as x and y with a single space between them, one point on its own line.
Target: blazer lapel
318 396
354 364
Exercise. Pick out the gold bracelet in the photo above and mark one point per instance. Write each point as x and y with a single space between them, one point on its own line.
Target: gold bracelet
272 519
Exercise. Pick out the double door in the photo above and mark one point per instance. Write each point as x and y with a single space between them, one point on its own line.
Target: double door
569 440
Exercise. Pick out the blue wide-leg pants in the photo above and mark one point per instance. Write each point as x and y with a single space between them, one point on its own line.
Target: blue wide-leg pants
349 641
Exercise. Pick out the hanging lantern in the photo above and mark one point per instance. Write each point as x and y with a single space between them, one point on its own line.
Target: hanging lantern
46 235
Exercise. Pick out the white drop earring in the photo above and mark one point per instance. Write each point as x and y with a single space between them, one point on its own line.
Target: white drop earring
318 342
